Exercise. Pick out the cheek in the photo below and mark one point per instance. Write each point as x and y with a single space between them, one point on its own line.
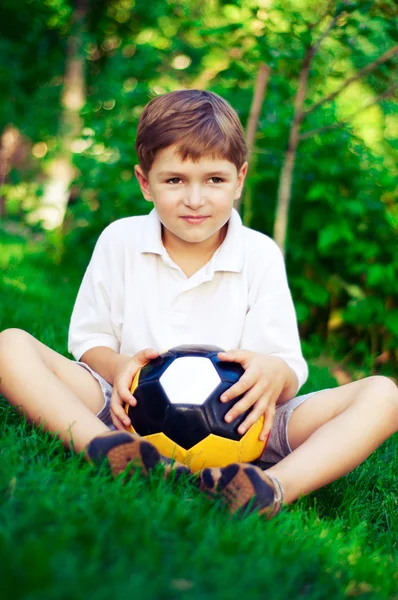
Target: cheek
229 192
166 197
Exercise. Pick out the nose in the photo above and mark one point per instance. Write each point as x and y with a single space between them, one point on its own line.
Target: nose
194 197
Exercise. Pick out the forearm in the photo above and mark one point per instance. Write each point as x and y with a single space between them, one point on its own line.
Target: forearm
104 361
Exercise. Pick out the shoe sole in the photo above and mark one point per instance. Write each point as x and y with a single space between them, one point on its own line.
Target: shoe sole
121 449
243 488
124 449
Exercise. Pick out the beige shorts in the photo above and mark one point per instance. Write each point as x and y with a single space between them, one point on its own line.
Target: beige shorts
278 443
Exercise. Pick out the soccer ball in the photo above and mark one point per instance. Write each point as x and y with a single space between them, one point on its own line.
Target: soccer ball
179 409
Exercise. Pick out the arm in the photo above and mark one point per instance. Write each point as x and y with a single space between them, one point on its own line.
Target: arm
95 317
291 386
119 370
274 366
94 332
105 361
271 325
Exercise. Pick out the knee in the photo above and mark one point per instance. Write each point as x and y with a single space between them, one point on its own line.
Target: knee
10 342
385 393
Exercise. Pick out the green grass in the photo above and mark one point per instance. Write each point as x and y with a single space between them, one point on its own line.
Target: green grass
68 531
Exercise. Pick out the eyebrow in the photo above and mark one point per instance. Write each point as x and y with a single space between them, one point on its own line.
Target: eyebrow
175 174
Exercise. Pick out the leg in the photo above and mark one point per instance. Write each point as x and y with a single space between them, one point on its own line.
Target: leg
53 390
334 431
330 434
50 388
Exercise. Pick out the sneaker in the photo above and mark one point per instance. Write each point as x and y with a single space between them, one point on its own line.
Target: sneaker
122 448
243 488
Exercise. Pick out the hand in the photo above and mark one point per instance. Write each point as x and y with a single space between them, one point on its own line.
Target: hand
122 385
264 379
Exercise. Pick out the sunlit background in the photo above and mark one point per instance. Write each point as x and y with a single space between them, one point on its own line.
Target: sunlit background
315 86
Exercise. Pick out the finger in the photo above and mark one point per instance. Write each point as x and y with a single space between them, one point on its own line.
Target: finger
269 418
123 384
246 382
246 402
117 423
119 411
124 423
235 355
125 395
258 410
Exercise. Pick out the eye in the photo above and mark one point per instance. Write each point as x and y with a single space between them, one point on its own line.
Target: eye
175 180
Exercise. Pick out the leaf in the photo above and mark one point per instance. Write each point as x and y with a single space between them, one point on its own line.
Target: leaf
334 234
327 237
391 321
319 191
315 293
302 311
365 312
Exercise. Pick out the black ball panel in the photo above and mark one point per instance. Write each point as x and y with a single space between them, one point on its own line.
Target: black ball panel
155 369
186 424
216 410
148 415
228 371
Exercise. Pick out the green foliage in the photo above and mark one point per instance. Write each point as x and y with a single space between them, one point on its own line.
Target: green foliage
68 530
81 534
341 257
31 68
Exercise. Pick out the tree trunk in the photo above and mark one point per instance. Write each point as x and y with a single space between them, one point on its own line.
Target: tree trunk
61 171
286 176
252 124
284 194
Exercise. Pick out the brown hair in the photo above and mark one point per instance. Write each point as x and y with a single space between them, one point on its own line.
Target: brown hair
199 123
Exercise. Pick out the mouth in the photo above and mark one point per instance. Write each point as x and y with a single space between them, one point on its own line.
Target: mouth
195 219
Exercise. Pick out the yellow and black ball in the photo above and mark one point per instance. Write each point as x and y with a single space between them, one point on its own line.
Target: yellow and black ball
179 409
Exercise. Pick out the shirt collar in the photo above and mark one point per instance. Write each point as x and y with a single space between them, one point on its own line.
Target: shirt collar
228 257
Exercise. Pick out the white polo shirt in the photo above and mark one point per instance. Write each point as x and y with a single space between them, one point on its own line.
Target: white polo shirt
133 296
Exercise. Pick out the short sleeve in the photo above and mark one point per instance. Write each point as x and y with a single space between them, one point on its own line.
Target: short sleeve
271 324
91 323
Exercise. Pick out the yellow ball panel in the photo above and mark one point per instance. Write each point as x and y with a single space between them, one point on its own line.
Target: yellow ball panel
250 446
167 447
134 383
216 451
213 451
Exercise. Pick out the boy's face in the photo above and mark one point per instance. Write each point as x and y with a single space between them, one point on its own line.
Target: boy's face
205 191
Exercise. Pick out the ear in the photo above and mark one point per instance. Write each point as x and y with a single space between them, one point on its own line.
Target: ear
241 179
143 182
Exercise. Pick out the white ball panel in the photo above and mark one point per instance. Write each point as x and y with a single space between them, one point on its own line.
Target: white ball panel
190 380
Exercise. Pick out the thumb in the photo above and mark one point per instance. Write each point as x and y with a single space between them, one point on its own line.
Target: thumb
144 356
239 356
125 379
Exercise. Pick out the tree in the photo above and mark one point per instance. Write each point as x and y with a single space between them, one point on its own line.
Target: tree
60 170
286 175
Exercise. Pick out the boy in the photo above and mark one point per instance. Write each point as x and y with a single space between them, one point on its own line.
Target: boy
189 272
